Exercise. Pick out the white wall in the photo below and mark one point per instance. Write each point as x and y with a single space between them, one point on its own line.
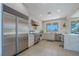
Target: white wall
0 29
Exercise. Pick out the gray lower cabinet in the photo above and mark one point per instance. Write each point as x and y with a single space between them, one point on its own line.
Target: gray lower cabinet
22 42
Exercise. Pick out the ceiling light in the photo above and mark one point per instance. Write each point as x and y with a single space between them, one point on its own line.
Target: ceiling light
58 10
40 15
49 12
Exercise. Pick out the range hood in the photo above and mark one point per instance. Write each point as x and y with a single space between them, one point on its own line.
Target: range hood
34 23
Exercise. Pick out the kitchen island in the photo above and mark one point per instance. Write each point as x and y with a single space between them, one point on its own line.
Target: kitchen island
71 42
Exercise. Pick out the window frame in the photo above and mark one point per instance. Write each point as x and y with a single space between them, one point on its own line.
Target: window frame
52 24
77 21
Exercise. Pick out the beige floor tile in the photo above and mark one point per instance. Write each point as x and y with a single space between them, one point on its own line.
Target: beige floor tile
47 48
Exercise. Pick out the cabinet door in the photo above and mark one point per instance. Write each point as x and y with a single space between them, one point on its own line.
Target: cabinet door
30 40
9 34
22 30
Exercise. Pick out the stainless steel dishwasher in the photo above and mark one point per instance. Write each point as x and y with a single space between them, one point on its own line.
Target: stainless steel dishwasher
36 38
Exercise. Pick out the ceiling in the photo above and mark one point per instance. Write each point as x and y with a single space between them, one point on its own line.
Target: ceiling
48 11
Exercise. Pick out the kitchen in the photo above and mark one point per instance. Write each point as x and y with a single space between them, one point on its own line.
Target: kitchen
20 32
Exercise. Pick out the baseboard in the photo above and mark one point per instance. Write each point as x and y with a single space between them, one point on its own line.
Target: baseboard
51 40
21 51
54 40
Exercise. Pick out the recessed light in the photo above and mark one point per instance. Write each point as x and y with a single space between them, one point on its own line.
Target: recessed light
40 15
58 10
49 12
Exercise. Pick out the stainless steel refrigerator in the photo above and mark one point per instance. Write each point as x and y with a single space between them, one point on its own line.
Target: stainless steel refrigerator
9 34
15 32
22 34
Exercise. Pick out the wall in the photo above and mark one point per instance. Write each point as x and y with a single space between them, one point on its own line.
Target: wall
0 29
60 22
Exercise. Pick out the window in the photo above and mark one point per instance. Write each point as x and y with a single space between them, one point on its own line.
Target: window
75 27
52 27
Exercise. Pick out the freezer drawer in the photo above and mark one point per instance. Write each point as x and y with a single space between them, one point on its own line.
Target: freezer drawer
22 42
9 47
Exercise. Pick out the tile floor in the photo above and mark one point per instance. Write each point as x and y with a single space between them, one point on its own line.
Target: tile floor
47 48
